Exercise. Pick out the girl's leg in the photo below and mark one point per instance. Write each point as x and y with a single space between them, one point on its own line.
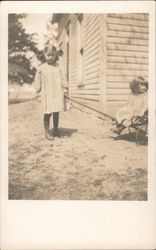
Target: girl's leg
56 119
47 120
56 123
46 126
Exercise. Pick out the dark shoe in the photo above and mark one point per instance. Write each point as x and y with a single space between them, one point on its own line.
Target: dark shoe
118 129
57 133
48 136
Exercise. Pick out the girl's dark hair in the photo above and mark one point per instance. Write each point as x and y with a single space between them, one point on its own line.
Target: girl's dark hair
134 85
53 50
49 49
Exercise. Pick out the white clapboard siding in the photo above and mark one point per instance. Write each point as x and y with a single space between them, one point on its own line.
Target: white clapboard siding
137 16
122 72
86 97
63 46
119 78
73 67
94 91
124 53
118 85
127 66
115 104
127 21
127 28
117 97
86 101
89 91
93 80
123 91
115 51
121 59
127 54
125 41
89 103
113 33
94 86
127 47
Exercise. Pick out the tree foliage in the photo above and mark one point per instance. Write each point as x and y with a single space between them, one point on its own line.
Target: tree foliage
19 43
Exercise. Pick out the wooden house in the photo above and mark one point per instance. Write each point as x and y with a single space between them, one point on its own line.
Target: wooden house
102 54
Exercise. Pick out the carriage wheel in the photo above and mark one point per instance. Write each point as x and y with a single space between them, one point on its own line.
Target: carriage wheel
142 135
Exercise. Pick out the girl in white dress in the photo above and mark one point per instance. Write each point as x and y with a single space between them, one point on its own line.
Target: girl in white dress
50 80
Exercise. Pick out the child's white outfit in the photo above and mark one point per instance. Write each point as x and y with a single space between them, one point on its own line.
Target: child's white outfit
136 106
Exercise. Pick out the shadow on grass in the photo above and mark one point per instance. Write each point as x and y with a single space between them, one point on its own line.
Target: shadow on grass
64 132
126 137
131 137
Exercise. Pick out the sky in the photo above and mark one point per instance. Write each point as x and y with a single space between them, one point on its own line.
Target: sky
37 23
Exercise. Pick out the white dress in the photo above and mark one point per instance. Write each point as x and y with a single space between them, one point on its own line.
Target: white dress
136 106
50 80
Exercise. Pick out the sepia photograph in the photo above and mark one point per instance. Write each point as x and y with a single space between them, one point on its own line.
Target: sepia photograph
78 106
77 124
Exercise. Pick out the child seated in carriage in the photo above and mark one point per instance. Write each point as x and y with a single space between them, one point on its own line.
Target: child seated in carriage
137 105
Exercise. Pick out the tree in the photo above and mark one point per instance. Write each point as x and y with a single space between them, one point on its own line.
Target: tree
19 43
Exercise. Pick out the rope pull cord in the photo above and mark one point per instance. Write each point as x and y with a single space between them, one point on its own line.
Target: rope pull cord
86 106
